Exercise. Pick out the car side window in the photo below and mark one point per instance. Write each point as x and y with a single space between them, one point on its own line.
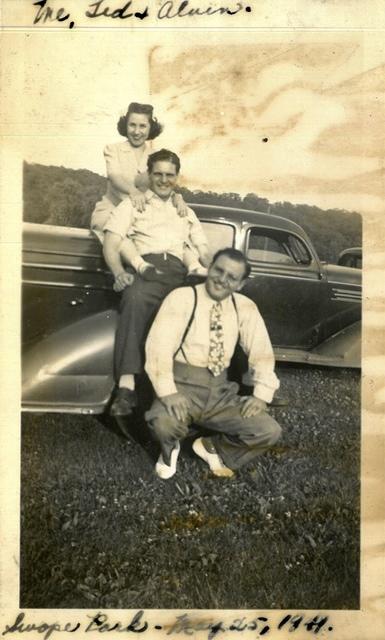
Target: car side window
219 235
277 247
350 260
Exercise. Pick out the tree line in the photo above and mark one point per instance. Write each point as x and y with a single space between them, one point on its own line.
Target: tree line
66 197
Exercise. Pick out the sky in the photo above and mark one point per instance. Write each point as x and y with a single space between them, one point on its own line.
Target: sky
298 121
289 117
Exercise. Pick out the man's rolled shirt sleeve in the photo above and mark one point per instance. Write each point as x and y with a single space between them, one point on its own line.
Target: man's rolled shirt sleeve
120 219
197 236
256 343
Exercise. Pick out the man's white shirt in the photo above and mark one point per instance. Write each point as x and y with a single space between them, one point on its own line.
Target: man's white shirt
244 321
158 229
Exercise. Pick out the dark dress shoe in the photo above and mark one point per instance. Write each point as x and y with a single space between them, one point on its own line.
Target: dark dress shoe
124 402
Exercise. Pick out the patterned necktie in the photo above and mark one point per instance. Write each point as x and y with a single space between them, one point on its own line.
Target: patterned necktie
216 360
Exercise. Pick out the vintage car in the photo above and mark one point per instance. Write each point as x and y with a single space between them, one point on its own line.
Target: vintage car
351 257
312 310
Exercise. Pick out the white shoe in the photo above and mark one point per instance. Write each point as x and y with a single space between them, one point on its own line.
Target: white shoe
164 470
213 460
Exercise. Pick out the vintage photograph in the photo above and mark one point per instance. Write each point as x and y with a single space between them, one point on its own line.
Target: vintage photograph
191 320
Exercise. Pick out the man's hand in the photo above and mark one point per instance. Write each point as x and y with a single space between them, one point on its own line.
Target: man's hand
252 406
138 200
146 268
123 280
177 406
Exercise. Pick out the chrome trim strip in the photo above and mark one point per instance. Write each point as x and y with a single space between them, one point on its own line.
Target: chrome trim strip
36 228
344 290
62 267
344 293
355 296
54 283
344 284
62 253
40 407
282 275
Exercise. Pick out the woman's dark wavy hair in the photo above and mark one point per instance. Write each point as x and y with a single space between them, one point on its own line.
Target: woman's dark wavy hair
136 107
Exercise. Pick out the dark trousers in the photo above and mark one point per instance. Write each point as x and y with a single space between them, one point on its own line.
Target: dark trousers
215 404
138 308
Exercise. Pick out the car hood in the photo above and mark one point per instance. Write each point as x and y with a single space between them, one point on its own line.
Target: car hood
347 275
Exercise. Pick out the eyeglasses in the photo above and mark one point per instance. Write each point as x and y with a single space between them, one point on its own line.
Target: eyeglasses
229 278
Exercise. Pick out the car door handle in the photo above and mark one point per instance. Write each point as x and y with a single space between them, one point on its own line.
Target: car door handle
76 302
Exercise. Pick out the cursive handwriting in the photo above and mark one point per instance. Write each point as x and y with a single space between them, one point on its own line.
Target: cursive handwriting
169 10
100 9
45 13
189 627
43 627
185 625
101 623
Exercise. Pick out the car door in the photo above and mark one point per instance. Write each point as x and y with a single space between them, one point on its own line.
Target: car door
64 280
287 284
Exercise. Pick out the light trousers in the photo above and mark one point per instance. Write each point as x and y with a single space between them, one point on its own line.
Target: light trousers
215 405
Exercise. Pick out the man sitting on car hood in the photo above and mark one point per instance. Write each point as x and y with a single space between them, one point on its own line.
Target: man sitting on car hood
160 237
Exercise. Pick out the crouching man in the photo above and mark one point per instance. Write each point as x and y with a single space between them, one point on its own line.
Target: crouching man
188 351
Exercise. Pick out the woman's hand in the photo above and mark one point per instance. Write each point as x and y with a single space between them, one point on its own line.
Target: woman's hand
179 204
138 200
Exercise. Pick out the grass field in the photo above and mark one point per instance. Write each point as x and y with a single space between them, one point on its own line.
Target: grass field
99 529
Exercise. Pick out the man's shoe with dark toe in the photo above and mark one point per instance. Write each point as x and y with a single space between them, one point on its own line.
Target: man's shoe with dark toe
213 460
124 402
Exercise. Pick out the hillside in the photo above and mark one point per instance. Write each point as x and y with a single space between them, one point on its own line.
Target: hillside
66 197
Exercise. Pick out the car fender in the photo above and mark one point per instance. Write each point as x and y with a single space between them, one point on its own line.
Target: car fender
71 369
343 349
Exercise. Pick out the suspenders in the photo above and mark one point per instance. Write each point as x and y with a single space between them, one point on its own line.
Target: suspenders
237 314
187 329
188 326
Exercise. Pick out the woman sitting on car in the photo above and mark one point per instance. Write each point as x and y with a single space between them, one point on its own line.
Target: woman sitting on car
126 164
